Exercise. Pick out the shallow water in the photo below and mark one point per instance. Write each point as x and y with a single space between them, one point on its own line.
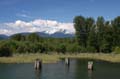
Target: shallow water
76 70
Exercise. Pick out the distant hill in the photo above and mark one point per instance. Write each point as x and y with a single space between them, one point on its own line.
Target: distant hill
54 35
3 37
60 34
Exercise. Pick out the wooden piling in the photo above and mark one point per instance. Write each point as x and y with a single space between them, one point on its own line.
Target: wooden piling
90 65
67 61
38 64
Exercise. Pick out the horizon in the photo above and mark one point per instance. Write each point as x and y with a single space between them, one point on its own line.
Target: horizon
51 15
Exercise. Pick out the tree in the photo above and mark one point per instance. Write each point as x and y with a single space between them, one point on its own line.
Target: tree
5 50
18 37
80 28
100 31
33 37
107 42
61 48
116 31
92 39
89 24
90 30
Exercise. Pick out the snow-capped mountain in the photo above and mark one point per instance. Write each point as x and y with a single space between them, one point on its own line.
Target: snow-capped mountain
38 25
44 28
57 34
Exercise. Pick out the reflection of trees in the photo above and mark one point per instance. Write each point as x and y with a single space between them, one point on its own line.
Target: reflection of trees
67 67
81 71
67 70
38 74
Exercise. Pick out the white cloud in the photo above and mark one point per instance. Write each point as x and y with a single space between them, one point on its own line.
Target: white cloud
5 31
39 22
37 25
23 15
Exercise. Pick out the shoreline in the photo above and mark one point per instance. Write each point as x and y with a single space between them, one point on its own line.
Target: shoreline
53 58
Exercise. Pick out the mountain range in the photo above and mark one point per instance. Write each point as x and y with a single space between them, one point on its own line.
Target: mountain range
62 34
2 36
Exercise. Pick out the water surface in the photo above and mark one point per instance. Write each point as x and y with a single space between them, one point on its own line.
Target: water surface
76 70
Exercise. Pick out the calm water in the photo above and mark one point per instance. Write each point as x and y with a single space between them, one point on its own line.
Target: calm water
76 70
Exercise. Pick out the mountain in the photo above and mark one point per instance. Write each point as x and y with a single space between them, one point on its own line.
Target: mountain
2 36
53 35
61 35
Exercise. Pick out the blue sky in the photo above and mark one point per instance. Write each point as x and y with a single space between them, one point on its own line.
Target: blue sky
62 11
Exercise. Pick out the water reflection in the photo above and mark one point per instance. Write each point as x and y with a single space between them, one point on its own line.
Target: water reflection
67 67
67 71
90 74
38 74
80 69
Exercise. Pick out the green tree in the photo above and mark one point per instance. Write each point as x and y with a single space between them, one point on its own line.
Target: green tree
100 32
90 29
33 37
5 50
92 39
61 48
108 38
80 28
18 37
116 31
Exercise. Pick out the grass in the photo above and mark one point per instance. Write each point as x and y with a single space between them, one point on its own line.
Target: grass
29 58
115 58
53 58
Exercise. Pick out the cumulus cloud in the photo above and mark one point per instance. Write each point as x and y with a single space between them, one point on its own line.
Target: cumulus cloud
19 24
39 22
38 25
5 31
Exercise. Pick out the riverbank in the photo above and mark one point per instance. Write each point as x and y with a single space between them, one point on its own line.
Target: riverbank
53 58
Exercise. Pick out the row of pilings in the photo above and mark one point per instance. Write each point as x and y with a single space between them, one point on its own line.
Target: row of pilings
38 64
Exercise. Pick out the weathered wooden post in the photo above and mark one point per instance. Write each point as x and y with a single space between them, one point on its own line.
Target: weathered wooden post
38 64
90 65
67 61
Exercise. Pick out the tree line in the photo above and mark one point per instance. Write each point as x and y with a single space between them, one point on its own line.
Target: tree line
33 43
97 36
91 36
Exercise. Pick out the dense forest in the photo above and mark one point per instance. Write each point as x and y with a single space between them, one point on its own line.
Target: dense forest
91 36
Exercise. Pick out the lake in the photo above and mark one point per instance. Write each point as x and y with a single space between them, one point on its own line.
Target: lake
76 70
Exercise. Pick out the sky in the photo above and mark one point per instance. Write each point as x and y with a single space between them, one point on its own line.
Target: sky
51 16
